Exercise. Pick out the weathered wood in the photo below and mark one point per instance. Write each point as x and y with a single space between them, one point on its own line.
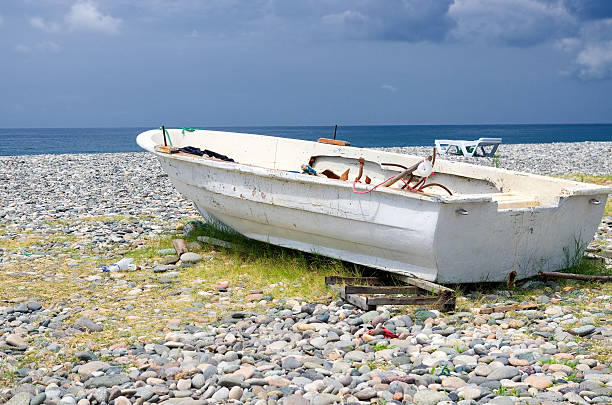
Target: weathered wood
425 285
507 308
358 301
410 300
353 280
368 289
180 246
585 277
349 287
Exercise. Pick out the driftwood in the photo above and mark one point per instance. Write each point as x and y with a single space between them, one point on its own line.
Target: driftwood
585 277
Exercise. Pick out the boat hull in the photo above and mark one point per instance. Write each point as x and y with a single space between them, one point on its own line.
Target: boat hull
423 238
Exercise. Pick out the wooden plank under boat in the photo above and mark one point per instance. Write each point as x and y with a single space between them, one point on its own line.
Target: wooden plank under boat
496 224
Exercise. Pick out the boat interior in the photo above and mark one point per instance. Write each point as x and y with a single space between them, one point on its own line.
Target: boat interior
370 169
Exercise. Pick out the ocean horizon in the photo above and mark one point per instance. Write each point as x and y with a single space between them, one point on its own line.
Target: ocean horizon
28 141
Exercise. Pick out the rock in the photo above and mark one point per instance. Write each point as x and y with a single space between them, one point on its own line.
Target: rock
291 363
538 381
191 257
452 383
101 395
121 400
294 399
583 330
33 306
87 325
88 368
504 372
365 394
183 384
208 370
198 381
16 341
107 381
235 393
429 397
183 401
369 316
230 381
355 356
221 395
38 399
21 398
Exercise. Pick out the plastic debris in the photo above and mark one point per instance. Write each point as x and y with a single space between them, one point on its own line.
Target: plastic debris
124 264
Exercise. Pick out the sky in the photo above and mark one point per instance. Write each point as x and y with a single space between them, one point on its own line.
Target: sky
113 63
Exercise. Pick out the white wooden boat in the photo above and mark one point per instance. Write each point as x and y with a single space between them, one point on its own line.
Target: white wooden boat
496 224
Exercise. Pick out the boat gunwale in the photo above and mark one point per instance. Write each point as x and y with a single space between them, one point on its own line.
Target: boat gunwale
579 188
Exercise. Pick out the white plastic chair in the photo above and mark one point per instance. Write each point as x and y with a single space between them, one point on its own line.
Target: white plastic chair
468 148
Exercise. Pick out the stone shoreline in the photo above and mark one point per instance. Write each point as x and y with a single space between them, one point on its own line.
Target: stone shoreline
63 215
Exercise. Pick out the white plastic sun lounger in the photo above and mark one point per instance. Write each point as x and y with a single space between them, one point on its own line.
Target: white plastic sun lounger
468 148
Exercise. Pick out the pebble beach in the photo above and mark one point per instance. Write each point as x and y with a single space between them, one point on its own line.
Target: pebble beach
174 334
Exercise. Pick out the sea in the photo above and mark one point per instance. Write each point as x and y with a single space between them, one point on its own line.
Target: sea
28 141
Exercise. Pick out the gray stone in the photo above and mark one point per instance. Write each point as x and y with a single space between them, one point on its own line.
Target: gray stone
101 395
324 399
145 393
88 368
291 363
208 370
429 397
38 399
107 381
34 306
231 381
198 381
369 316
365 394
21 398
355 355
191 257
221 395
503 372
583 330
87 325
183 401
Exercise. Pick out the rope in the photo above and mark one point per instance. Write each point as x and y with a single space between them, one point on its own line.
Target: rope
370 190
189 129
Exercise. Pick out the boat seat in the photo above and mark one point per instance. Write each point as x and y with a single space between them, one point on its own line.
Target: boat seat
510 200
468 148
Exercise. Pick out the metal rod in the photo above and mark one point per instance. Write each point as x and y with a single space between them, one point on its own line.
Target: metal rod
164 135
335 129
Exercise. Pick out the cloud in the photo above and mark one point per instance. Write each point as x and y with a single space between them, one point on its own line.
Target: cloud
591 49
40 23
85 16
589 9
42 47
511 22
388 87
49 46
595 61
396 20
22 48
